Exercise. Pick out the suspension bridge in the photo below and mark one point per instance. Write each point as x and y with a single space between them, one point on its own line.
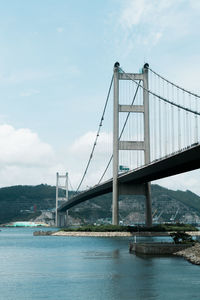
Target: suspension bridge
155 134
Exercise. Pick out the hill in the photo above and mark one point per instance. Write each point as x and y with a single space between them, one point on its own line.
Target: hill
27 202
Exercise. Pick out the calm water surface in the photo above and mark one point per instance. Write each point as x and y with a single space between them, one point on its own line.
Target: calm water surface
88 268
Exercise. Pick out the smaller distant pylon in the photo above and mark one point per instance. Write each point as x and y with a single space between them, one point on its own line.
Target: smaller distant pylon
61 185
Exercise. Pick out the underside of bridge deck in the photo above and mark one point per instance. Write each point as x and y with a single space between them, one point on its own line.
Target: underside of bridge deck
183 161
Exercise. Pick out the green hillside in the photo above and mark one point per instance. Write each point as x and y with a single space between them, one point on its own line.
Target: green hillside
26 202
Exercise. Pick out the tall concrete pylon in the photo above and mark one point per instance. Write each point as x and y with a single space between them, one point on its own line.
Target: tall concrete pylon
139 189
61 219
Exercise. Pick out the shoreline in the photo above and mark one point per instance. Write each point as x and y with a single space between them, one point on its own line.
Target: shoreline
108 234
92 234
118 233
191 254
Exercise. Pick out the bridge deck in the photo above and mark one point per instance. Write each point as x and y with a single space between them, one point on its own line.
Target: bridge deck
180 162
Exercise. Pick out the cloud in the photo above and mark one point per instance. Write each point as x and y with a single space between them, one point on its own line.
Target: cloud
86 142
21 76
24 158
79 153
23 147
29 93
148 21
27 175
60 29
133 13
137 12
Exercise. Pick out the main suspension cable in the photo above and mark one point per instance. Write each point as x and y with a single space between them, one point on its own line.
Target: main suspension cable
70 184
160 97
173 84
105 169
97 136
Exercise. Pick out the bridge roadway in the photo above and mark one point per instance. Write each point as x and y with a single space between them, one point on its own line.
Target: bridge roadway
179 162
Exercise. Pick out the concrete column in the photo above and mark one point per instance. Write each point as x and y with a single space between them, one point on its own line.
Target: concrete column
66 187
146 116
148 206
147 143
61 220
115 205
57 178
58 220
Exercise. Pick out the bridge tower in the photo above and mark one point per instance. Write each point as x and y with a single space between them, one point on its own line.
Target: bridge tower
61 218
125 189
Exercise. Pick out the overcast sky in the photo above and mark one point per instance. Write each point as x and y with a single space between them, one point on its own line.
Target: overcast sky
56 61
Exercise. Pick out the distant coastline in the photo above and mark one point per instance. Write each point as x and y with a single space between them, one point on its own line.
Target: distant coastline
108 234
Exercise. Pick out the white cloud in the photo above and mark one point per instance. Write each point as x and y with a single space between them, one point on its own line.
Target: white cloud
27 175
195 4
146 21
24 158
86 142
134 12
150 12
23 147
28 93
22 76
79 153
60 29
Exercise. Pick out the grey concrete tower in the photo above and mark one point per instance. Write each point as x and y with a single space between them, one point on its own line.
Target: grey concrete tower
148 206
115 207
61 218
139 189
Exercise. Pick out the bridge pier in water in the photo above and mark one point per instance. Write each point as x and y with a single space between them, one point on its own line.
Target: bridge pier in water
61 220
148 206
141 189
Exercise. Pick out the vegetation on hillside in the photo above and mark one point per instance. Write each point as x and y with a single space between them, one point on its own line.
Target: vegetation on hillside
26 202
181 238
112 228
186 197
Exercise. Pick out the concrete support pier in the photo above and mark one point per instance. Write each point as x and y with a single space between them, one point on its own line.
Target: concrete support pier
148 206
61 220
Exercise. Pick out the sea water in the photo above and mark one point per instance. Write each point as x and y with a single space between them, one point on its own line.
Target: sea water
59 268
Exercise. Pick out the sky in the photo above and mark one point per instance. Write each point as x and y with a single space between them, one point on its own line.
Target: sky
56 62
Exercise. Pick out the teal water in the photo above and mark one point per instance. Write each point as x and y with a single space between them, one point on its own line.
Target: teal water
88 268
